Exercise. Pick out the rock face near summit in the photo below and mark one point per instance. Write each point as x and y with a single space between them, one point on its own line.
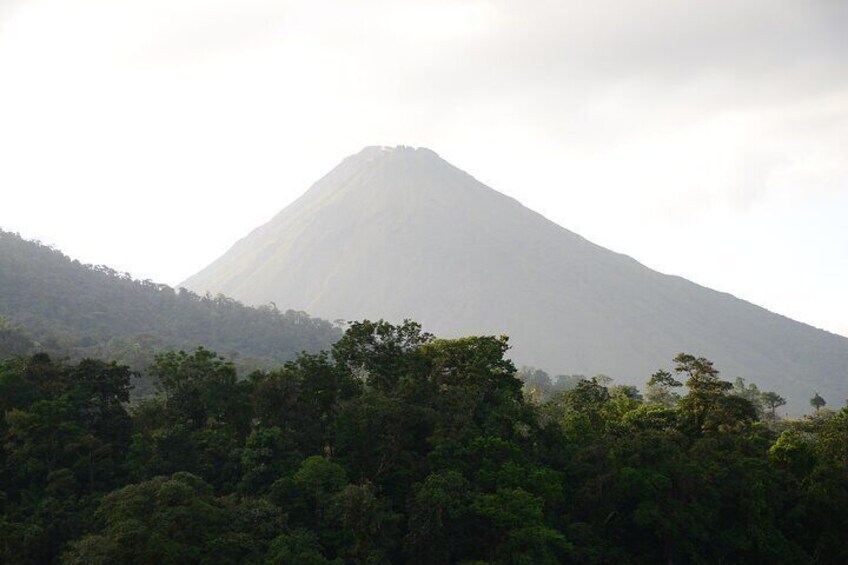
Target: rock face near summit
400 233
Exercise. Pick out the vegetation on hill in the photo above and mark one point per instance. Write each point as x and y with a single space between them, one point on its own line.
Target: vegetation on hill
81 310
13 340
397 447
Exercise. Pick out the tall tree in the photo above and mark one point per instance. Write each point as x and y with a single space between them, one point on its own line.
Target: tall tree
817 402
661 387
773 401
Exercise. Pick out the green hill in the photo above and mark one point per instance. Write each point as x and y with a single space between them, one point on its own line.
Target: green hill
79 310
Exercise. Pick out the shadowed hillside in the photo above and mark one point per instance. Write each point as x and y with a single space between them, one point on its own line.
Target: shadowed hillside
78 310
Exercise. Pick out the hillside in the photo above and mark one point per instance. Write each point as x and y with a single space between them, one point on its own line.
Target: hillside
77 310
400 233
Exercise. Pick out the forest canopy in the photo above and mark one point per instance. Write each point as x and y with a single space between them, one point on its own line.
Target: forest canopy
394 446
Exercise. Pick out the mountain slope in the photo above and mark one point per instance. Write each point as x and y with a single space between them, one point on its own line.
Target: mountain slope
400 233
83 310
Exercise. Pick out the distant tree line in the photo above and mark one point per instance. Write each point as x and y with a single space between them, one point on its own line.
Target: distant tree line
397 447
662 388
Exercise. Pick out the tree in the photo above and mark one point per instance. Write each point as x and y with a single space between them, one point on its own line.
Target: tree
475 385
824 495
773 401
750 392
582 411
303 399
267 455
172 519
435 512
709 406
368 521
380 353
13 341
202 389
817 402
660 391
516 530
300 546
537 383
310 497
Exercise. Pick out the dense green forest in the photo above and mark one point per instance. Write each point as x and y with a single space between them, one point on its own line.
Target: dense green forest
76 310
397 447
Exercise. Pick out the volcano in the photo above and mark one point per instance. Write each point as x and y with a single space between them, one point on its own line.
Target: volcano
398 233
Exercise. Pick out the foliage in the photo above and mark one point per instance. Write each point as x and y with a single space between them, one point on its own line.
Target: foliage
817 402
397 447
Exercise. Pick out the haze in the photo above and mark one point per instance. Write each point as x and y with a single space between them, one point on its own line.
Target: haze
705 139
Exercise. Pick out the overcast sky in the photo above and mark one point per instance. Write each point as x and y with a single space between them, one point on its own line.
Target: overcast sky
706 139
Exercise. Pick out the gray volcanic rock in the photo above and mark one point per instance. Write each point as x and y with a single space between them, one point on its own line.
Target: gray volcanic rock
400 233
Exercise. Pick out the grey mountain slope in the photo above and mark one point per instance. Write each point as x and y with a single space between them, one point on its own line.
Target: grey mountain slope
400 233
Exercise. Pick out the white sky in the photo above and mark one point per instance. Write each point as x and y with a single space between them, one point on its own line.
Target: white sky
706 139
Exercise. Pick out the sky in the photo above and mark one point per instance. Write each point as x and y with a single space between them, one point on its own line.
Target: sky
706 139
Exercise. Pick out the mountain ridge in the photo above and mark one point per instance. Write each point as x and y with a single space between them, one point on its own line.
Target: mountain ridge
81 310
